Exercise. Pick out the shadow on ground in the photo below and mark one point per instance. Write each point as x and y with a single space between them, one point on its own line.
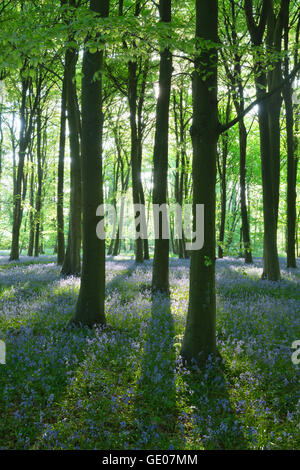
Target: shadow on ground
155 406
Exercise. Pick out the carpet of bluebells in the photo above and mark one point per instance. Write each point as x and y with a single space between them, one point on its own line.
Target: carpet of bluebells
124 386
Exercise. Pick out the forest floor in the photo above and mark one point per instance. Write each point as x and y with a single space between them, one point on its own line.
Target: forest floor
124 386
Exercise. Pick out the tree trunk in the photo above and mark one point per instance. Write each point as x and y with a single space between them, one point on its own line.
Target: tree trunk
200 334
160 273
140 131
25 134
268 117
90 304
135 166
31 214
223 216
72 263
244 211
223 185
60 177
271 262
38 199
292 161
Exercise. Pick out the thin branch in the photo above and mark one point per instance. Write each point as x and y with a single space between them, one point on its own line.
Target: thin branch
292 75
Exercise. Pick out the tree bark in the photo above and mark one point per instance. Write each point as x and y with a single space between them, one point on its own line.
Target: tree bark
31 214
244 210
223 183
72 262
200 333
38 199
135 164
24 139
160 273
292 159
268 116
90 305
60 177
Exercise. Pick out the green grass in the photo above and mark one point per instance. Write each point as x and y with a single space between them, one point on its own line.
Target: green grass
124 386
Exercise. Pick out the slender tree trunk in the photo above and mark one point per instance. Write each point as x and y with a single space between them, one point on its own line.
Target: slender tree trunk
292 160
176 245
145 241
72 263
31 214
160 273
24 138
291 179
268 116
114 203
135 166
180 175
223 216
117 244
142 196
200 333
223 174
38 199
90 304
239 103
274 78
244 211
60 177
140 131
271 263
223 178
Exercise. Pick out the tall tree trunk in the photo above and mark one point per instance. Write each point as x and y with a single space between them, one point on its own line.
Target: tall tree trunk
239 102
292 159
268 116
38 199
291 179
90 304
25 134
223 184
244 210
135 163
60 177
200 333
160 273
31 214
140 132
117 244
235 78
180 175
223 210
72 263
271 262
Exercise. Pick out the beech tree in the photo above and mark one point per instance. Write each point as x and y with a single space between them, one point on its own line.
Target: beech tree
160 275
268 115
125 132
90 304
72 261
60 176
200 338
